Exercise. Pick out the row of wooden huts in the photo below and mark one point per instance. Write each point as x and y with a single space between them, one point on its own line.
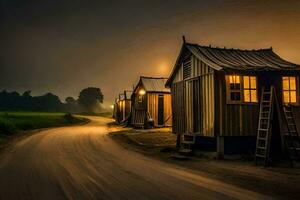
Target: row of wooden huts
226 100
148 105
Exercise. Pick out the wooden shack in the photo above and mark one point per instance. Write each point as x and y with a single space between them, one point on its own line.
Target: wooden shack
217 98
151 101
122 107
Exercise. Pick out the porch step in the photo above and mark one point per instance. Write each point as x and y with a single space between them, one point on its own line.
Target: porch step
188 142
186 152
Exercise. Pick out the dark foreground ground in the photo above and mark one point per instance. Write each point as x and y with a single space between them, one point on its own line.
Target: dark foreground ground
279 182
83 162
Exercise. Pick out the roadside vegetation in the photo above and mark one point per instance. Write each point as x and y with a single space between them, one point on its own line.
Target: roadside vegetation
89 101
15 122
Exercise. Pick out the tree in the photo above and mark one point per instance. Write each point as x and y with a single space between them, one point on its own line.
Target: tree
90 98
47 102
27 93
70 100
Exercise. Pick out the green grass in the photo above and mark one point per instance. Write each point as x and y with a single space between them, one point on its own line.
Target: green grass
13 122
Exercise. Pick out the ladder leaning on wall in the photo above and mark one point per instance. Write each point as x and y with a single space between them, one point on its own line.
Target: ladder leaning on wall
264 131
291 137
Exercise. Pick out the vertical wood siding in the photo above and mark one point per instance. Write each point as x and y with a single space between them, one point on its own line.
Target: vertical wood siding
186 98
178 109
179 75
152 108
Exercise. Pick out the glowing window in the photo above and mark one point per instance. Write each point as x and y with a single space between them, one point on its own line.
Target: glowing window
234 88
249 89
289 87
241 86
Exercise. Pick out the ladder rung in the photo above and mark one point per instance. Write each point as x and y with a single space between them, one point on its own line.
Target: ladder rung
259 155
260 138
295 148
264 117
262 129
264 122
261 147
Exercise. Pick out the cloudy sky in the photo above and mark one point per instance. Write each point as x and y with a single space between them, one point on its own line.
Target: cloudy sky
62 46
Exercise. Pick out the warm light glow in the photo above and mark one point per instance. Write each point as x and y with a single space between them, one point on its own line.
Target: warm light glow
234 79
112 106
250 90
142 92
289 87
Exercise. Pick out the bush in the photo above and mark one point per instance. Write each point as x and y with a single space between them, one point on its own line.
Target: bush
7 127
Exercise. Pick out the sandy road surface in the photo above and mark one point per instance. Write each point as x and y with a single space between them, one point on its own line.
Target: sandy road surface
82 162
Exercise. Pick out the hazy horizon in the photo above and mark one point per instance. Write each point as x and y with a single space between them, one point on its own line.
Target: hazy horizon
65 46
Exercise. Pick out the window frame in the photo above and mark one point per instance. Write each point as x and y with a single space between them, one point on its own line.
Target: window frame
296 89
241 90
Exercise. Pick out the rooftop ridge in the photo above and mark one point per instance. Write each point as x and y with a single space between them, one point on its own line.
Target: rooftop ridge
150 77
226 48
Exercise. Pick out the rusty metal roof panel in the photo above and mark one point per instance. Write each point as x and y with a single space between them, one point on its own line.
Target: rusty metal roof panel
222 58
152 84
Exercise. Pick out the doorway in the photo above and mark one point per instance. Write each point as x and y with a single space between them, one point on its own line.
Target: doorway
160 117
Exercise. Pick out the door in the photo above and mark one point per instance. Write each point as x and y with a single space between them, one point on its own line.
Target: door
160 120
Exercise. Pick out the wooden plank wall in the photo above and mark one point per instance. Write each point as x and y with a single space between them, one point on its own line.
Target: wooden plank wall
138 109
127 108
237 119
168 109
178 110
205 75
152 108
182 101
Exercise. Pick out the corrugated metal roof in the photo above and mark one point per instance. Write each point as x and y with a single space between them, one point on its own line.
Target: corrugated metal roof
235 59
222 58
152 84
125 95
128 94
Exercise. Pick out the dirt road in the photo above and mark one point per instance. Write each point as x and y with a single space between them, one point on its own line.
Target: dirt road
82 162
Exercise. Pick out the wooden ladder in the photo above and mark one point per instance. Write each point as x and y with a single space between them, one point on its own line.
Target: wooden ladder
291 137
264 130
187 144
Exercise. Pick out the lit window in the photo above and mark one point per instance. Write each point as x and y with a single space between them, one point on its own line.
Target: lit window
250 89
235 88
289 88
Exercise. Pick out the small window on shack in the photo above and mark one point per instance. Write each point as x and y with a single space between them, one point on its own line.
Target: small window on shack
234 93
241 89
289 88
250 89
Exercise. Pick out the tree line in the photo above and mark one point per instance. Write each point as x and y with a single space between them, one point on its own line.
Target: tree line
89 101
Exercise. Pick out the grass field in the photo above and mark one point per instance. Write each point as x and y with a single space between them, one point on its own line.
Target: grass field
13 122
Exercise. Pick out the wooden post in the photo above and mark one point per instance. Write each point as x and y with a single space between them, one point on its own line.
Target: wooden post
178 141
220 147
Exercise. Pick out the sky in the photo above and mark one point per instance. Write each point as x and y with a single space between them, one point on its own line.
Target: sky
63 46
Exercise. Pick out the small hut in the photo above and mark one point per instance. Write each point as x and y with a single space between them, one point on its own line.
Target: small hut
122 107
235 101
151 103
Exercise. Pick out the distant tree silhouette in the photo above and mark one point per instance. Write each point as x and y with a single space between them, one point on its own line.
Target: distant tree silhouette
71 105
70 100
27 94
47 102
90 99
